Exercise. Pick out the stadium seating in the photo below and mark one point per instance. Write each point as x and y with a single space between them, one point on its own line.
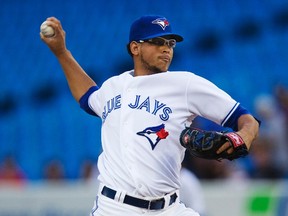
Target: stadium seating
241 47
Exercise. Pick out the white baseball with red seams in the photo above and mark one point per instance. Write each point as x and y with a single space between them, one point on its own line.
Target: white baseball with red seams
47 30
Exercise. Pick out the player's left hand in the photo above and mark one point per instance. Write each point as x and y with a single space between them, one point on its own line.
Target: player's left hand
212 144
226 147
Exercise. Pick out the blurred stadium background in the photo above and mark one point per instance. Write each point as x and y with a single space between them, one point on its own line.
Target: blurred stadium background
240 45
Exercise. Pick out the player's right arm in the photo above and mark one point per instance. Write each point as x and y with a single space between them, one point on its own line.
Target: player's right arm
79 82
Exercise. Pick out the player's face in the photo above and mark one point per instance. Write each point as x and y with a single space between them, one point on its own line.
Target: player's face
155 57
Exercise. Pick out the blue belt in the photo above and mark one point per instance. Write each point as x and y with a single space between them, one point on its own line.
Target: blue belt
140 203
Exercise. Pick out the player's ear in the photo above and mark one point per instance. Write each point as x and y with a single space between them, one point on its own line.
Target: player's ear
134 48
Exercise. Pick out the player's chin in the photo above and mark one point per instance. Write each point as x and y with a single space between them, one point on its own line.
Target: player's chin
164 66
162 69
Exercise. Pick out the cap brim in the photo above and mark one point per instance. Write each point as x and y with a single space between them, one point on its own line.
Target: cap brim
178 38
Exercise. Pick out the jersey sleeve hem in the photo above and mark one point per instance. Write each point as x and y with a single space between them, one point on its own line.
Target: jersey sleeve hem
231 119
84 104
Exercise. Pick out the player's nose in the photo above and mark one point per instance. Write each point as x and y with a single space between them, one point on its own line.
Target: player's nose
166 49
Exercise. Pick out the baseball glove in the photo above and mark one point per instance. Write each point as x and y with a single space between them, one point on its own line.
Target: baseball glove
204 144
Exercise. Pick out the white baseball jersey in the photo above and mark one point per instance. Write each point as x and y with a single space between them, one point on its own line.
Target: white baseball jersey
142 118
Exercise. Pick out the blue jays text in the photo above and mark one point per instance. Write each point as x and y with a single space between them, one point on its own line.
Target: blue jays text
152 106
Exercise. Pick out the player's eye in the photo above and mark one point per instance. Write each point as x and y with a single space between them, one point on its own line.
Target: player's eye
161 41
157 41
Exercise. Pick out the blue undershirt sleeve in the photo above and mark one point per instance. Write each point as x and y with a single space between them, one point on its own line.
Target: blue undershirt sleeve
84 100
232 122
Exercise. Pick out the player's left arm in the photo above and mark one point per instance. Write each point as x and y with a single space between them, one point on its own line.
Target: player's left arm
248 128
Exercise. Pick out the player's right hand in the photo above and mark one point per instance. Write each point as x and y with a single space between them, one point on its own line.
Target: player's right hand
56 43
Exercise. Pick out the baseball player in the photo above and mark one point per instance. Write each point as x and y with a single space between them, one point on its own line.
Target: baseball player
143 112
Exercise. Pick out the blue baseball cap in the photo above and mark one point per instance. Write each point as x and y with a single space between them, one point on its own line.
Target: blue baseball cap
151 26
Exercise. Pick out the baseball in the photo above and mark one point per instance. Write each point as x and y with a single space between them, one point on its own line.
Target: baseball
46 30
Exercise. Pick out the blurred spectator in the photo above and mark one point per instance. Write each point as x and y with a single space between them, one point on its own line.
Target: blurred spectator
281 95
54 170
89 170
214 170
273 131
10 171
264 165
86 170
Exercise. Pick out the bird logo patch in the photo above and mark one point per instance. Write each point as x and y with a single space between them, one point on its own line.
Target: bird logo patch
154 134
162 22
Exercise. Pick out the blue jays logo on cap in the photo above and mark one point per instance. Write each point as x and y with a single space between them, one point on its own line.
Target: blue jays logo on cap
154 134
163 22
151 26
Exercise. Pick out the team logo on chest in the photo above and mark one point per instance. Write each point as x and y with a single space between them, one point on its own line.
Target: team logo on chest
154 134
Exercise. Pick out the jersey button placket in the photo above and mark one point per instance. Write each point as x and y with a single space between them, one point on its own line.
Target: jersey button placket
126 140
125 125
